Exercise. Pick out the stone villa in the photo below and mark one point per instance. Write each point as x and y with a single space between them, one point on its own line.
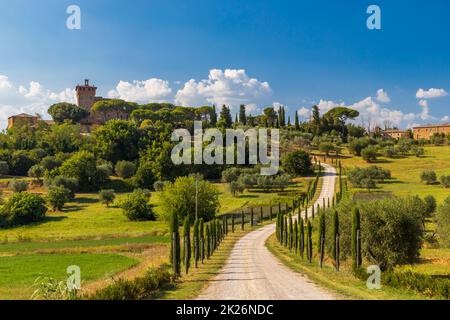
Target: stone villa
427 131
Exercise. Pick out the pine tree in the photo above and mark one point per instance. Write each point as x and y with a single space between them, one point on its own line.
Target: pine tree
309 241
187 244
242 116
335 247
196 242
302 237
322 237
225 119
296 123
175 245
202 240
356 239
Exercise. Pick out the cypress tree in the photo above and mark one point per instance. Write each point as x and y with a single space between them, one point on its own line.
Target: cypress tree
285 236
213 116
175 245
202 239
291 233
232 223
187 244
208 241
322 237
270 213
356 239
242 116
213 236
309 241
328 202
242 220
279 207
312 211
251 217
302 238
306 212
281 228
295 237
196 242
261 215
335 248
296 123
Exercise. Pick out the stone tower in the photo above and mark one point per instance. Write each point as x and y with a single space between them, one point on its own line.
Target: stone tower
86 95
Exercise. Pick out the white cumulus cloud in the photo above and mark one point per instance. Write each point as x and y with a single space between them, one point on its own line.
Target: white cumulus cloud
230 87
430 93
151 90
382 96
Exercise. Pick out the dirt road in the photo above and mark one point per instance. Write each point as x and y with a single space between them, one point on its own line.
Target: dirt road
252 272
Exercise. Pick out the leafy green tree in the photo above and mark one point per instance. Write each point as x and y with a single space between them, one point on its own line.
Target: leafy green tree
445 181
68 183
270 116
125 169
187 244
63 111
65 137
175 256
83 167
4 168
431 205
37 171
117 140
49 163
357 145
369 154
136 206
297 163
107 196
180 197
144 177
57 197
326 147
236 187
443 223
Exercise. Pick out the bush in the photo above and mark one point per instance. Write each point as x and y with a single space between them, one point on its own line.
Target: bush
18 185
389 152
23 208
159 185
428 176
70 184
357 145
107 196
430 203
236 187
37 171
49 163
136 206
4 168
392 230
369 154
125 169
144 177
326 147
139 288
418 151
297 163
443 223
57 197
230 174
445 181
367 177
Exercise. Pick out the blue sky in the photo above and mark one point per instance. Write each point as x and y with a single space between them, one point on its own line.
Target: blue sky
296 53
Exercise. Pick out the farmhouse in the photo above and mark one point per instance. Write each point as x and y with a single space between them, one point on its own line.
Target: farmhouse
427 131
25 119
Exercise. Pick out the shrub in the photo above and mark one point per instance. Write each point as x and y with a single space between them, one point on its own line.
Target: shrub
236 187
357 145
389 152
230 175
136 206
418 151
49 163
297 163
430 204
428 176
125 169
107 196
326 147
443 223
70 184
159 185
445 181
23 208
144 177
4 168
37 171
369 154
392 230
18 185
57 197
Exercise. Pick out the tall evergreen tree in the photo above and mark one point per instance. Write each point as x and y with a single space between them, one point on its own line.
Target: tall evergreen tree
202 239
285 225
175 245
187 244
232 223
291 233
296 123
196 242
321 239
242 220
225 119
242 116
295 236
335 247
302 237
208 241
356 239
309 241
214 116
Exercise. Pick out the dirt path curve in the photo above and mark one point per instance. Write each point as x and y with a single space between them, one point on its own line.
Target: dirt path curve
252 272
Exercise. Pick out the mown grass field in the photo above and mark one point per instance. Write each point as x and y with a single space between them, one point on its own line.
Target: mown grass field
101 240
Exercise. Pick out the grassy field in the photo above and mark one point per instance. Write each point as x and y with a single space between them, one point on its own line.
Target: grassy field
18 273
406 172
343 283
